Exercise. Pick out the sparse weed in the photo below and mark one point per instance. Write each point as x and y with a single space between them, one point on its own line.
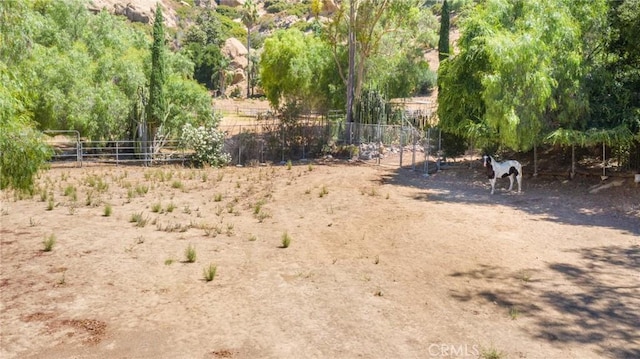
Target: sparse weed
218 197
212 231
156 207
33 222
219 211
131 193
43 195
173 227
107 210
141 189
257 207
285 240
177 184
169 261
289 165
50 204
97 182
170 207
491 353
49 242
190 254
139 219
323 191
69 190
253 238
210 272
63 279
514 313
89 199
230 227
310 167
263 215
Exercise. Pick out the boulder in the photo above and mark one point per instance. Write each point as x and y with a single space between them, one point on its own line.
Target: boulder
232 3
329 7
233 48
132 13
238 76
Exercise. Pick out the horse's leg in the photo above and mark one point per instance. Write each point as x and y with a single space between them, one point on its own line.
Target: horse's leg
519 178
493 184
511 182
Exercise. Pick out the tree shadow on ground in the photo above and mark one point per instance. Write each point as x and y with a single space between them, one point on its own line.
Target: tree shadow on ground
569 202
595 301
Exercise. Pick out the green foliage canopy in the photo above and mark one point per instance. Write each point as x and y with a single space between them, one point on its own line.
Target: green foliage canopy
519 72
292 67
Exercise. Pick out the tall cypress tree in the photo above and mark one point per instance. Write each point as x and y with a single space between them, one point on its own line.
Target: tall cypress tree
443 43
156 106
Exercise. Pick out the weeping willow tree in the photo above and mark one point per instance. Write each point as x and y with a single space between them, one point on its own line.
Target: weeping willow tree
22 150
519 71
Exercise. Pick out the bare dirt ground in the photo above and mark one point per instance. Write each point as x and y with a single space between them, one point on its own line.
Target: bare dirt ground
382 263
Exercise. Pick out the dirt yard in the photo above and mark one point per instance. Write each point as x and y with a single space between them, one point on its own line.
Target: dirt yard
382 263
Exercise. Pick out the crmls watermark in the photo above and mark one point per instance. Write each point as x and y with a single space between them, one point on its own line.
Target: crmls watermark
448 350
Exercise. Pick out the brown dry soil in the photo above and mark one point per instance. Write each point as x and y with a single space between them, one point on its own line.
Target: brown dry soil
382 263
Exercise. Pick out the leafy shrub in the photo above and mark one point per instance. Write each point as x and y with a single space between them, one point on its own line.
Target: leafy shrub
207 142
228 11
276 6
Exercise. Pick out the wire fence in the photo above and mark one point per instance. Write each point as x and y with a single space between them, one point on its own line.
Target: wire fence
267 141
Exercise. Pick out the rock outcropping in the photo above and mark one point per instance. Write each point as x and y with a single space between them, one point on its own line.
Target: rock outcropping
142 11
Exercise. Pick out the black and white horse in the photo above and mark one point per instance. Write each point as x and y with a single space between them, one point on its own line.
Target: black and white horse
504 169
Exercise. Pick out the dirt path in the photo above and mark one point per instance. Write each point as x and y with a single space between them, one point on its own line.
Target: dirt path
383 263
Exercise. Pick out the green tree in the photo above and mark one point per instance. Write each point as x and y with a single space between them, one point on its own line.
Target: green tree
292 68
157 105
22 151
614 87
380 29
443 44
519 72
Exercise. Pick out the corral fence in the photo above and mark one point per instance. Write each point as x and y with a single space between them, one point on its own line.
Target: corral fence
313 136
266 141
69 148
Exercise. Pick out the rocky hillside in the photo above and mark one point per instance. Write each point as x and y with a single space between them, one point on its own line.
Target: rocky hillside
143 10
139 10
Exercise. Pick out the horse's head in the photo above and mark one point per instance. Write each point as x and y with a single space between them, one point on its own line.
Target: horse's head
486 161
